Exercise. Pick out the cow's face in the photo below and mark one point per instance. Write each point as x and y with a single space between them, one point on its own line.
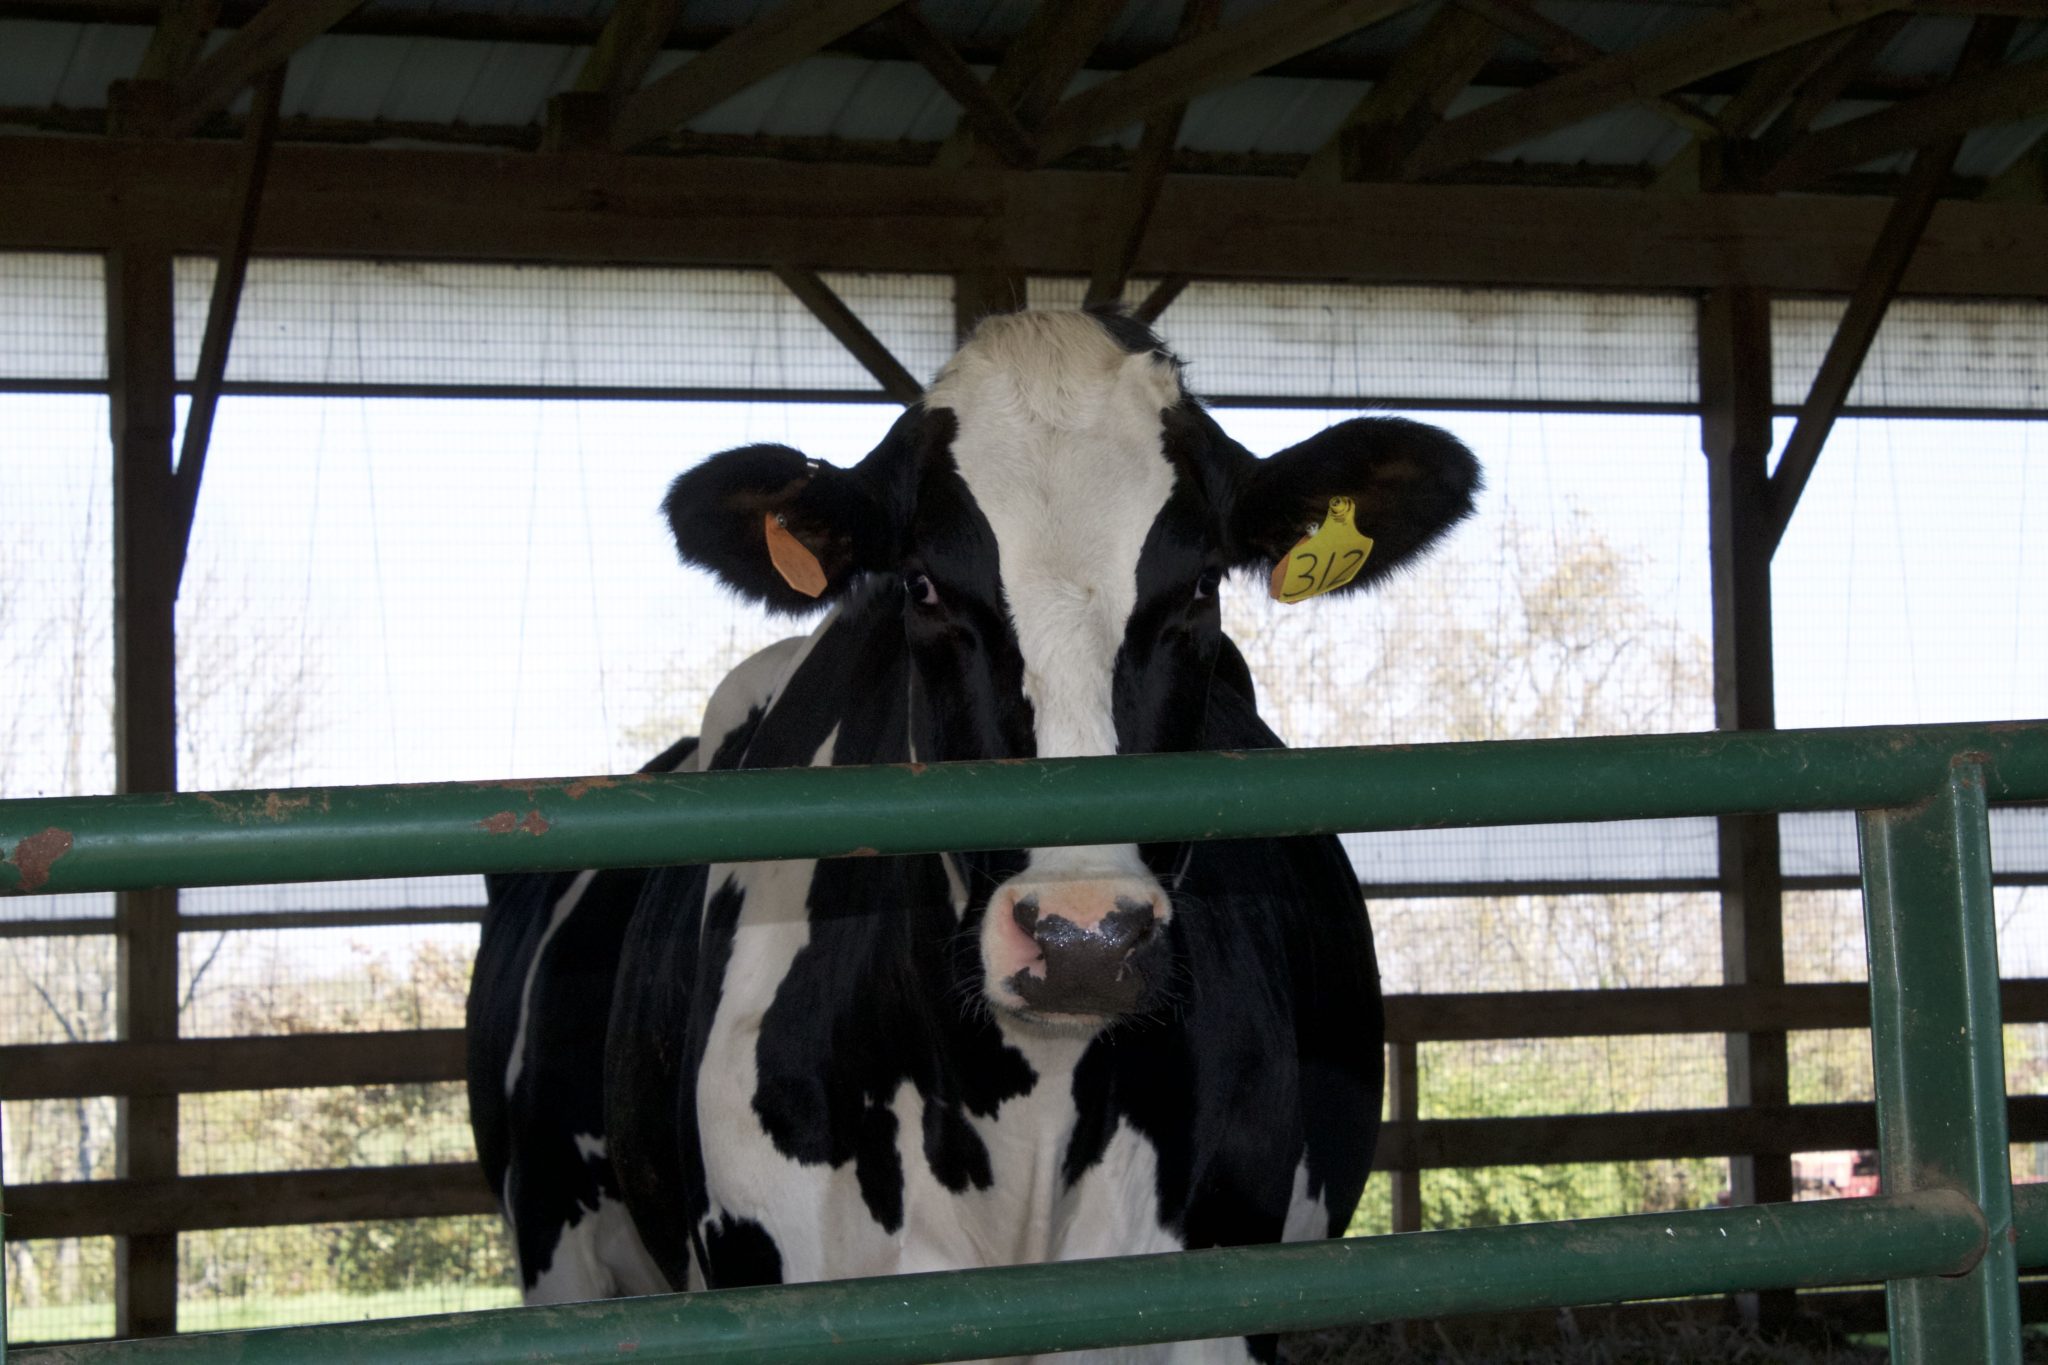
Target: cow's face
1059 514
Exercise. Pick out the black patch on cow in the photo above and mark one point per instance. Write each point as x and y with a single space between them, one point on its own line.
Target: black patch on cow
741 1252
1130 335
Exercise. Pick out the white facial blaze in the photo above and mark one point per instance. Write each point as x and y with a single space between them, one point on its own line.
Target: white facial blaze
1059 441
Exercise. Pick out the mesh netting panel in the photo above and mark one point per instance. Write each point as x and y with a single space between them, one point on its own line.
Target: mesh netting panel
1907 589
1529 1076
60 1289
56 598
413 323
340 1272
1973 354
57 989
1386 344
1495 1195
281 981
302 1130
1541 943
59 1140
56 317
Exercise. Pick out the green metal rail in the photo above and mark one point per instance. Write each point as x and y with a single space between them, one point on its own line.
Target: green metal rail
1948 1235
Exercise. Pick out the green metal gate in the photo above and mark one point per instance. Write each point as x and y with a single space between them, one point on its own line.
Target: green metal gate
1944 1235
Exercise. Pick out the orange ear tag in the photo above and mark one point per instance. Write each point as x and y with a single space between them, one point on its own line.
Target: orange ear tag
798 566
1324 560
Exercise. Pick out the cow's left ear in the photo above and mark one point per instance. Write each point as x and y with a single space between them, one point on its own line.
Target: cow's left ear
1410 483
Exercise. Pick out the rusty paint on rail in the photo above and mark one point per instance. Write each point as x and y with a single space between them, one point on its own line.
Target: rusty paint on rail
33 856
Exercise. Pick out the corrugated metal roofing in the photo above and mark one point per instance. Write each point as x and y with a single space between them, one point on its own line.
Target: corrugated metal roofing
416 82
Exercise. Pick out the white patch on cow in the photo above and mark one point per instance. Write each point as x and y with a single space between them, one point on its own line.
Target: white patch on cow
598 1256
557 917
756 682
1059 442
589 1148
1308 1218
811 1210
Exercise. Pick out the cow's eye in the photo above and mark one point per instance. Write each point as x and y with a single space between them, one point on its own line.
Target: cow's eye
920 590
1207 584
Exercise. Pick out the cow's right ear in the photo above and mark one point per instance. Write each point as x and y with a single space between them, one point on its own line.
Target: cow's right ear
784 530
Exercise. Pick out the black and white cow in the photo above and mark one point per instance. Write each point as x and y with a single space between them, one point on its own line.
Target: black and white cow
790 1071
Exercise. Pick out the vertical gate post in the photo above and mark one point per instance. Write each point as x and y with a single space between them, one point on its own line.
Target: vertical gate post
1938 1057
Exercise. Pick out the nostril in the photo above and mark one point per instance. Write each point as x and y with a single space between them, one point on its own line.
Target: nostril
1025 913
1130 924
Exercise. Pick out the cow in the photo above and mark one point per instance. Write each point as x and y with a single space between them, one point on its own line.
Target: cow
731 1075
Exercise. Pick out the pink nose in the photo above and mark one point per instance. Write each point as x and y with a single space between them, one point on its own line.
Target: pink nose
1096 951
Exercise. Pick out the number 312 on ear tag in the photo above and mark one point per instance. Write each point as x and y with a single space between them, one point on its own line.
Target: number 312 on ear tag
1323 560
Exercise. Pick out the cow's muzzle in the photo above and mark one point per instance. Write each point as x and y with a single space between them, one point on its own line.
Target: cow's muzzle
1079 950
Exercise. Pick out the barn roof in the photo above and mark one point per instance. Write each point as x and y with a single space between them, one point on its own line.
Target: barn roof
469 72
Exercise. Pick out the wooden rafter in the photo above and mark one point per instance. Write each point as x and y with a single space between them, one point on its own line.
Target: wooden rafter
1133 211
1827 84
1778 78
1896 241
1564 51
1039 64
2008 93
1703 49
1384 128
228 275
2025 181
786 36
991 119
180 33
268 40
632 38
849 331
1231 53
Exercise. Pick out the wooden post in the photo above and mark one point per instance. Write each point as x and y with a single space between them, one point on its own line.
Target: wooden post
1404 1105
1735 425
147 543
979 293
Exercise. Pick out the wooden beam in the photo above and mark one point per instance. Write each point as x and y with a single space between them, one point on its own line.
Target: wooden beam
2005 95
163 1208
42 1071
1564 50
92 194
633 36
1384 128
1131 212
179 35
1160 299
279 29
1272 34
229 272
787 35
2025 181
852 333
990 118
1703 49
1780 77
1858 330
1037 66
140 369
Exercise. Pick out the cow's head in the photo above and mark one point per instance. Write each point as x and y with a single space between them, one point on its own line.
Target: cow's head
1053 521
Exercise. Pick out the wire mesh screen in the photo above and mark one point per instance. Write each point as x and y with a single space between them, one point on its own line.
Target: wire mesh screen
238 983
1963 355
60 1288
56 317
416 324
1384 344
237 1278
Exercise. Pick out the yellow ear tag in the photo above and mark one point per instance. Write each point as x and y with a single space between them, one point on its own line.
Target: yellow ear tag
797 565
1324 560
